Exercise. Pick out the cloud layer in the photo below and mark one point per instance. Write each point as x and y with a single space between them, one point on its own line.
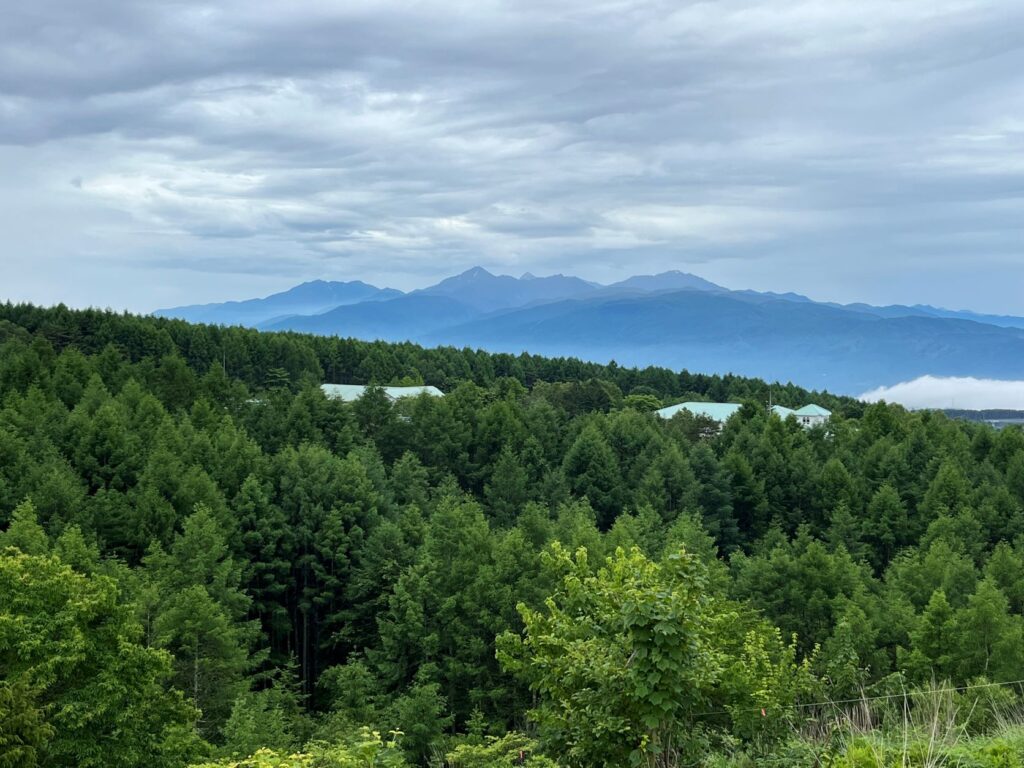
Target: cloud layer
162 152
943 392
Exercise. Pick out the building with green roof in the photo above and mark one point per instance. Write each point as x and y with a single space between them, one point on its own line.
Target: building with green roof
808 416
719 412
351 392
812 415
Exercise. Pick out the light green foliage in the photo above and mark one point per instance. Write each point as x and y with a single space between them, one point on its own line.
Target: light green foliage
24 532
919 573
622 659
367 749
1006 751
764 680
933 639
88 693
494 752
989 638
269 718
1005 568
421 714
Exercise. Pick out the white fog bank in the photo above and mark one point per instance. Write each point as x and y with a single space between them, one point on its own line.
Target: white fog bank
950 392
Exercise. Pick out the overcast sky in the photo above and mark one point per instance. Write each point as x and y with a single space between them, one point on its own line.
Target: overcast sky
156 153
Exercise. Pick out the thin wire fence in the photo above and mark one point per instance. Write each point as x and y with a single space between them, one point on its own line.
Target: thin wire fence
866 699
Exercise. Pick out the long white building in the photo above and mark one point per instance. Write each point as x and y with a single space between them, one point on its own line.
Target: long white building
809 416
351 392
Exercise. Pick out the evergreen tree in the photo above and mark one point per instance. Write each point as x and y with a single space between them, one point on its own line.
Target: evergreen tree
933 655
201 617
886 525
24 533
592 472
985 635
714 498
1005 569
507 491
669 485
750 505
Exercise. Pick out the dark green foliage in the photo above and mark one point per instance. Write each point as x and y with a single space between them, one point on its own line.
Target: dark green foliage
593 473
199 614
299 567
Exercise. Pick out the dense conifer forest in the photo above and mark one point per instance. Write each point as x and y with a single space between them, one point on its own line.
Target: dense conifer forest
204 561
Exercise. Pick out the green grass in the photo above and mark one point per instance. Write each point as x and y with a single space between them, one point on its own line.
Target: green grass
920 729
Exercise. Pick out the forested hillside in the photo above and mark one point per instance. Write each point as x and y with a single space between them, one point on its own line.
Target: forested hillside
201 557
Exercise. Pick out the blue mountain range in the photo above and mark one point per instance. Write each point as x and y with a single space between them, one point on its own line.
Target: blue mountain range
674 319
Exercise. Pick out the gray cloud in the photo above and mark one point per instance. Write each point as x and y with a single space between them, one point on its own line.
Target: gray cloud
847 149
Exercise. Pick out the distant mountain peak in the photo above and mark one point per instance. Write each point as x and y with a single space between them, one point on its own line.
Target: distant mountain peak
309 298
672 280
528 276
488 292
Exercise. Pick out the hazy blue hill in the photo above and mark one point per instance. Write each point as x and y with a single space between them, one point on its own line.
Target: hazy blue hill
923 310
684 316
1007 321
487 292
309 298
813 344
405 318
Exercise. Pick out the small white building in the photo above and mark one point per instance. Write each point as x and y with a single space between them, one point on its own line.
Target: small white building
351 392
812 415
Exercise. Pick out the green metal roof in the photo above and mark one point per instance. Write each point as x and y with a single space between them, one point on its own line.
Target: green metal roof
350 392
397 392
813 410
719 412
346 392
782 411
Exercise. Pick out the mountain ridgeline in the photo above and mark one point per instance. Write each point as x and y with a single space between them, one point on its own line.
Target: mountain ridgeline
673 319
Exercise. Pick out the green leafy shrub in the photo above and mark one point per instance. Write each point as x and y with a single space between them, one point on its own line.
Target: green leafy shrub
366 750
510 749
